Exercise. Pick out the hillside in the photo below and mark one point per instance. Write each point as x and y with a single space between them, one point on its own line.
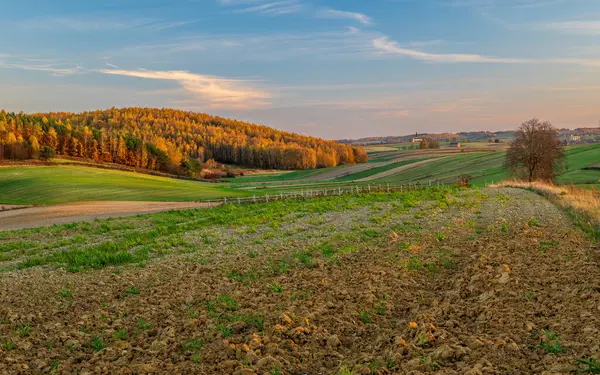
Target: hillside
64 184
165 139
436 281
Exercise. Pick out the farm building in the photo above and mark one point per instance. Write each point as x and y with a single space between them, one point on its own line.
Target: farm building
455 144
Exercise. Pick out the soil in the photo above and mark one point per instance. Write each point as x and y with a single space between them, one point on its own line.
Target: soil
513 266
10 207
41 216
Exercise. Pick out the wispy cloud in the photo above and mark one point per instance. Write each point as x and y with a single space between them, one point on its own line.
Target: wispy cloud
515 4
575 27
323 45
90 23
216 92
385 45
341 14
265 7
55 69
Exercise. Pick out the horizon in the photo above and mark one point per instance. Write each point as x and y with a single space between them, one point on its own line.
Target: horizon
326 68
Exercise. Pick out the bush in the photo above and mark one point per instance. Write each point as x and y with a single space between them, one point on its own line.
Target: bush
46 153
210 175
463 181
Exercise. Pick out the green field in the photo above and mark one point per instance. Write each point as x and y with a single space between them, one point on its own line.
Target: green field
374 171
488 167
283 176
62 184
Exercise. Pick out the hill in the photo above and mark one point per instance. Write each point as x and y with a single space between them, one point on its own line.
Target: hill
63 184
397 164
582 135
165 139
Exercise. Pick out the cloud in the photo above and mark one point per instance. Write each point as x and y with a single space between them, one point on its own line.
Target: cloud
384 44
217 92
265 7
56 70
90 23
515 4
575 27
335 14
199 48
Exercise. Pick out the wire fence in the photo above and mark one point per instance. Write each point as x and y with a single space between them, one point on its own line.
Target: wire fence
317 193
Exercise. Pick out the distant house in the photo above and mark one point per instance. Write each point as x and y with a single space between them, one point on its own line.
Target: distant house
416 139
455 144
575 138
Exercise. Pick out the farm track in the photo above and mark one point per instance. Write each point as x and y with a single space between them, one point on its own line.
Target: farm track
42 216
468 288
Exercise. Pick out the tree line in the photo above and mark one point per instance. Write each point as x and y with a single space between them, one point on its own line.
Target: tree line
165 139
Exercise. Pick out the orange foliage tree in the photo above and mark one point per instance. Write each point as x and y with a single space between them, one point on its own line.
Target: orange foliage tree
165 139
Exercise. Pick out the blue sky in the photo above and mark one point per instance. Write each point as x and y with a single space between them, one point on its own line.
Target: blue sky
330 68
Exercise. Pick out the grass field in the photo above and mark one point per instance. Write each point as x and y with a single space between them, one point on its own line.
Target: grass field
62 184
283 176
374 171
488 167
434 281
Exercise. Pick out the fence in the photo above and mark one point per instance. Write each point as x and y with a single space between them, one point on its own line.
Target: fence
316 193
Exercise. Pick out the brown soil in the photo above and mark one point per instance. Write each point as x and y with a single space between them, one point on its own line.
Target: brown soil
34 217
482 314
10 207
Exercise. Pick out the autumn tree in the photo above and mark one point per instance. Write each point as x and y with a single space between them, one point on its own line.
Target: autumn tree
429 143
164 139
34 147
536 153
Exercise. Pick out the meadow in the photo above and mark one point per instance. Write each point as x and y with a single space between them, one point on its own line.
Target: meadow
62 184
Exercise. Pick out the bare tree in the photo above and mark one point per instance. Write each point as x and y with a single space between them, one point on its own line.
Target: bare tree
536 153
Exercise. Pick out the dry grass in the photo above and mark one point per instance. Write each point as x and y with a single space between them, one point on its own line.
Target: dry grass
582 202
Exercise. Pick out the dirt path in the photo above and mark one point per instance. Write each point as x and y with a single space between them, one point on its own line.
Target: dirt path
10 207
394 171
35 217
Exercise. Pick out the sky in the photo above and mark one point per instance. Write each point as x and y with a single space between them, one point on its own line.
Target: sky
330 68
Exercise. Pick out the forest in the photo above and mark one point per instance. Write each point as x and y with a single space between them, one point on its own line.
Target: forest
166 140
